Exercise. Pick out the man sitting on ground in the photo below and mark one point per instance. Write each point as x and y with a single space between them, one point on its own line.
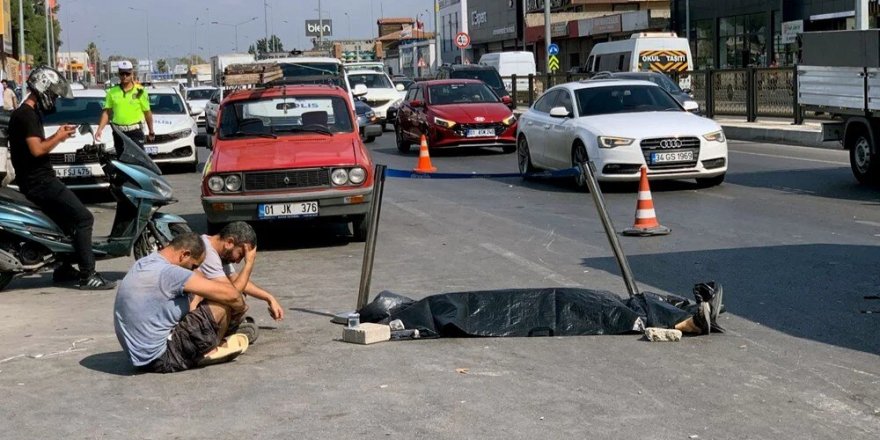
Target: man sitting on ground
154 322
221 252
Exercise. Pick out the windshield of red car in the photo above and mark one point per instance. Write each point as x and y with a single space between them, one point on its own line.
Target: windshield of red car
285 116
460 94
624 99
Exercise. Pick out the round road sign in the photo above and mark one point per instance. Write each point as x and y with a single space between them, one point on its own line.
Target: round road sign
462 40
553 49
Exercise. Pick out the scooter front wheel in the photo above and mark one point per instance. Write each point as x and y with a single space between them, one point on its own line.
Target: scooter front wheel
146 244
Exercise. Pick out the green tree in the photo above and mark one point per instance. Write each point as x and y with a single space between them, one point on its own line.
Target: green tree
162 65
195 59
94 53
35 29
274 45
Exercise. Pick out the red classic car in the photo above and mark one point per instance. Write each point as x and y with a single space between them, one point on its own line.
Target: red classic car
287 152
455 113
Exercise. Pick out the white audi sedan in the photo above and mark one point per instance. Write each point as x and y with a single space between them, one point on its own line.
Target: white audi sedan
620 125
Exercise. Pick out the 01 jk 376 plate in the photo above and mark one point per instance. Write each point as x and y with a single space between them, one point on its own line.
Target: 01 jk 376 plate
672 156
291 209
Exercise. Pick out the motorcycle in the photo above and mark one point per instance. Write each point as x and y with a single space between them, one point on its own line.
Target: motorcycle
30 241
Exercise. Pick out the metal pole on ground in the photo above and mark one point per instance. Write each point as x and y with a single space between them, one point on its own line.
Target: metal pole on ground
369 245
625 271
22 58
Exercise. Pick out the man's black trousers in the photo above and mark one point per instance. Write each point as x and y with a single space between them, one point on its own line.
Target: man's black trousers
64 208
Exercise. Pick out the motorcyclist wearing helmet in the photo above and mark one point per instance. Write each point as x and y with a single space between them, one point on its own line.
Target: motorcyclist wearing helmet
36 179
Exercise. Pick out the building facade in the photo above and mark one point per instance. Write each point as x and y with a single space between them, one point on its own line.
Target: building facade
453 18
494 26
759 33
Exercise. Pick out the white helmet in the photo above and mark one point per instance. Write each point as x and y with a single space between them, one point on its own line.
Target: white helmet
124 65
47 84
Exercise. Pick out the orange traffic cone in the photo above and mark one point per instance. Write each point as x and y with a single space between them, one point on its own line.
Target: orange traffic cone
424 164
646 219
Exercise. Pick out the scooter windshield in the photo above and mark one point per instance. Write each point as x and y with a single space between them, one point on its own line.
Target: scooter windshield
133 154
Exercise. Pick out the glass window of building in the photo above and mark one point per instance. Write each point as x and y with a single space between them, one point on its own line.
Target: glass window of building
743 41
704 44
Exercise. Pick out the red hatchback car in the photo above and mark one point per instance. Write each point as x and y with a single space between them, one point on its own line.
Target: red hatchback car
287 152
455 113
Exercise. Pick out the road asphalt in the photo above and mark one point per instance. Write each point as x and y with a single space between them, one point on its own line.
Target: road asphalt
790 235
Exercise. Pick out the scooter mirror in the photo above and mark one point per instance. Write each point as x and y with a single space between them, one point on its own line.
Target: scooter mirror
85 128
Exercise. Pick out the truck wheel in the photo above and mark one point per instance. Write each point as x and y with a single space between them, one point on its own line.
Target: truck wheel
865 164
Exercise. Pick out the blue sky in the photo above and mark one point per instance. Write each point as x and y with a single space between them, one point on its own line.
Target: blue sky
116 29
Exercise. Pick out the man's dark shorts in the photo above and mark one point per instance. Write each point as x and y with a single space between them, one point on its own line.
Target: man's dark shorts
191 338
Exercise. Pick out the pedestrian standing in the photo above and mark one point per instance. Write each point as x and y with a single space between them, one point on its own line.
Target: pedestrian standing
127 107
10 101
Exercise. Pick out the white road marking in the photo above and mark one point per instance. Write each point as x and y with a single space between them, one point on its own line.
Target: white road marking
777 156
409 209
868 223
530 265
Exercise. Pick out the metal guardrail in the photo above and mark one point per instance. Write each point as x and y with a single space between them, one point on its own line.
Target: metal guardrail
750 92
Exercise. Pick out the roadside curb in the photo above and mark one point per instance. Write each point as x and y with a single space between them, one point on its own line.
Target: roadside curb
801 138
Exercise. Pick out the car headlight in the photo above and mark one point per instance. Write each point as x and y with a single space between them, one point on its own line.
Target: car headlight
215 184
715 136
180 134
357 175
613 141
339 176
232 183
444 122
509 120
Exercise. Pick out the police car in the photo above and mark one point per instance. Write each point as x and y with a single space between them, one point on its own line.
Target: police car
78 170
175 129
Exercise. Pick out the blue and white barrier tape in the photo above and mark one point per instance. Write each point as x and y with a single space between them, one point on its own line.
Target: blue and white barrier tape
406 174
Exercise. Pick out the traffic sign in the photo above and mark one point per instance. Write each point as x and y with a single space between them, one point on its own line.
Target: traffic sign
553 63
462 40
553 49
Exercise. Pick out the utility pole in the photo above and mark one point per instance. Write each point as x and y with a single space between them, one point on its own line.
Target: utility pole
52 40
547 41
437 54
48 39
862 14
266 22
22 58
320 27
687 20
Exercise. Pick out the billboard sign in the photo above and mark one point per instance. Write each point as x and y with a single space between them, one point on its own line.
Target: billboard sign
492 20
313 28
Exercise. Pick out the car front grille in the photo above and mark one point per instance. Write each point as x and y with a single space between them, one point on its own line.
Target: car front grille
290 179
78 158
165 138
176 154
668 145
378 103
462 129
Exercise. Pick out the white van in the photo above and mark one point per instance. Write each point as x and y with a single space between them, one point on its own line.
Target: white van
643 52
521 64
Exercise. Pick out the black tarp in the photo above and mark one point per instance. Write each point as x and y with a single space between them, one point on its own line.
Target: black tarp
528 312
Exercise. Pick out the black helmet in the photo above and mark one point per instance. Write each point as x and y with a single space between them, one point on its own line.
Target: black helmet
47 84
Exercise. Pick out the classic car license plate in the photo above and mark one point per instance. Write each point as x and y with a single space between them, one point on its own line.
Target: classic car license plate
480 132
73 172
152 151
676 156
292 209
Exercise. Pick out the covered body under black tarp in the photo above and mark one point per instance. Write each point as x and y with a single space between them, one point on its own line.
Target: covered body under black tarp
529 312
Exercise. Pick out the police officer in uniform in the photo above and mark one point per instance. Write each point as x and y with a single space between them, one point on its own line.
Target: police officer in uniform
127 106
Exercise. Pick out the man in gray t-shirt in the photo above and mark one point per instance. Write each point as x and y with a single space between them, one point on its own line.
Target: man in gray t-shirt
152 317
224 250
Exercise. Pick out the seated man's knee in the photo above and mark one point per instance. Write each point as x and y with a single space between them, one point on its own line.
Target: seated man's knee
221 313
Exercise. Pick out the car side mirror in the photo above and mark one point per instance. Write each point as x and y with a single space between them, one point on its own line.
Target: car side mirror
691 105
359 90
507 100
400 87
415 103
559 112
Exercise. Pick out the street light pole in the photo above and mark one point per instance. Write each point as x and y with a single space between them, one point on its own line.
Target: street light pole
149 60
320 27
235 26
22 58
48 40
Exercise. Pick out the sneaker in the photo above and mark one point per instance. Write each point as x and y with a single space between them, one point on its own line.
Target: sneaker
703 318
711 293
65 273
95 282
249 328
